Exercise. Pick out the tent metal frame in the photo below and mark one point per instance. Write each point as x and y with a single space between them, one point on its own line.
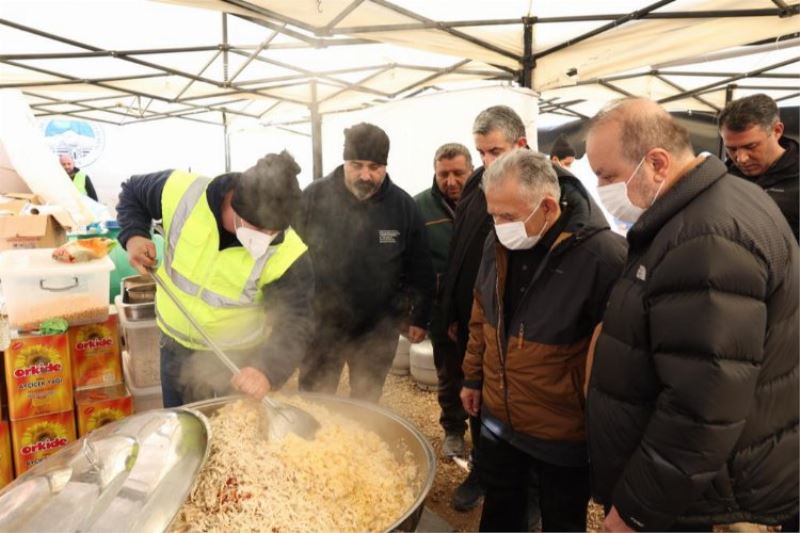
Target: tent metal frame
236 92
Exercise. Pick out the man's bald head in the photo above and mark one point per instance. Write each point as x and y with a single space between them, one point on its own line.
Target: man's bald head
67 163
641 125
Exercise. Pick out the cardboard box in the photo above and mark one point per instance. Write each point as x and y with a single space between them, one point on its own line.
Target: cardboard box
21 226
33 231
6 459
97 407
95 354
26 197
34 439
38 375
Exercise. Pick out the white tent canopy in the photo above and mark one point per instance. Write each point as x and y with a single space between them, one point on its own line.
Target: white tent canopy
273 60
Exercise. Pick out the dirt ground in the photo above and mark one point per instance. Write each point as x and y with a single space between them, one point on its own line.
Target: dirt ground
421 408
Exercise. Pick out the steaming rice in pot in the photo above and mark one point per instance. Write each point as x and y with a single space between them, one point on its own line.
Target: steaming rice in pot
345 480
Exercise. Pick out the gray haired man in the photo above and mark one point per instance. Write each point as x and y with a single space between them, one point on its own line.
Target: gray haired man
540 291
496 130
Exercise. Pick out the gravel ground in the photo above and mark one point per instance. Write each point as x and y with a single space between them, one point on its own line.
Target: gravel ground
421 408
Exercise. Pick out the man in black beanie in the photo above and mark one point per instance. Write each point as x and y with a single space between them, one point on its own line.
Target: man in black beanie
374 275
562 153
232 259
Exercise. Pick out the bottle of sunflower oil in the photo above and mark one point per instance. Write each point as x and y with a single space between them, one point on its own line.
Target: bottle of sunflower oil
36 438
100 406
38 376
95 354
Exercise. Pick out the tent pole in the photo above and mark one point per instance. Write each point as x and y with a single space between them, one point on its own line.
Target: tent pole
316 132
528 62
728 98
226 84
227 142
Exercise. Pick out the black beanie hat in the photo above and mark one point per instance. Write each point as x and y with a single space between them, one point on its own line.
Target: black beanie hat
366 142
267 194
561 148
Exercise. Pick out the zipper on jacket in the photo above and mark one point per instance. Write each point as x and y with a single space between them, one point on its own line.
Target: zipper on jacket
521 333
500 353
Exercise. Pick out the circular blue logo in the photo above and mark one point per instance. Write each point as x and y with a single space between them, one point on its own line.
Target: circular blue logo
83 140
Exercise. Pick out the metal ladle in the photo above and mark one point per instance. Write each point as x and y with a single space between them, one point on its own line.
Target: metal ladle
283 418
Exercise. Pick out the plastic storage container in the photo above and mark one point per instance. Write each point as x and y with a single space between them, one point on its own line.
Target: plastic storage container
423 369
140 340
37 287
144 398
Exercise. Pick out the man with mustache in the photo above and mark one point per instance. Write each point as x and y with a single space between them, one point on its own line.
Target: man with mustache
374 272
452 165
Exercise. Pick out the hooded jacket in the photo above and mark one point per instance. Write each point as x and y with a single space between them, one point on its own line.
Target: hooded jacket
693 397
371 257
781 181
530 363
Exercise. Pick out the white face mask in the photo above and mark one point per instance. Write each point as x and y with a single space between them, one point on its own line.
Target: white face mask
514 236
254 241
615 198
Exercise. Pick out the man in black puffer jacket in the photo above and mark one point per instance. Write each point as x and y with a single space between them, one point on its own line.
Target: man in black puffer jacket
693 397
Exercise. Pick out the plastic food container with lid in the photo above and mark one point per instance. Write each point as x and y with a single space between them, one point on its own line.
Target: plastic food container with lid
37 287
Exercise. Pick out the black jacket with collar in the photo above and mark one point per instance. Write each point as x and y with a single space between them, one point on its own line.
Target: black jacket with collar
471 226
371 257
781 181
693 397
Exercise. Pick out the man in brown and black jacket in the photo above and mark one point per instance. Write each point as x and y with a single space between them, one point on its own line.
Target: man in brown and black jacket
541 289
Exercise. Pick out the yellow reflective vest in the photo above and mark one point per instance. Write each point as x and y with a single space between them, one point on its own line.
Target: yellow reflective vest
79 180
220 288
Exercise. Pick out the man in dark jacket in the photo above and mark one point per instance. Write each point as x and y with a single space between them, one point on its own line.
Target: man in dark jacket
452 165
757 151
541 290
562 153
373 268
496 130
231 258
693 398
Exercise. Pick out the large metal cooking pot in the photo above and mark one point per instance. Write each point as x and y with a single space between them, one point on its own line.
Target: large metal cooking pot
398 433
129 476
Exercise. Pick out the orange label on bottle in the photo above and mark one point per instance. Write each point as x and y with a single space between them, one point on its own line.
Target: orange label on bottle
34 439
95 354
98 407
38 376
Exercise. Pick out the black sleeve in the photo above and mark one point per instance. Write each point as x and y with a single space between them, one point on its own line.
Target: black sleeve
287 302
300 221
90 192
707 327
419 279
612 251
140 204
